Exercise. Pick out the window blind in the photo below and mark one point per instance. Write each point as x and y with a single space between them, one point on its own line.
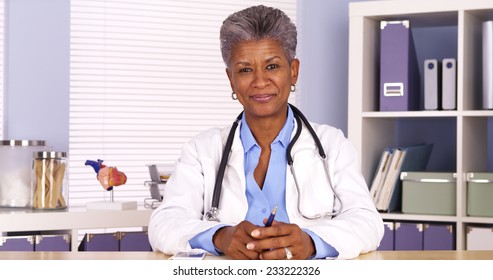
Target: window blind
145 77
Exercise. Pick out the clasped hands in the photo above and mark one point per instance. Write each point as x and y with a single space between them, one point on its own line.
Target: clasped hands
249 241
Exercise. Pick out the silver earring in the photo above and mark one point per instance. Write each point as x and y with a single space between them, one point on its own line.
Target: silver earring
293 88
233 96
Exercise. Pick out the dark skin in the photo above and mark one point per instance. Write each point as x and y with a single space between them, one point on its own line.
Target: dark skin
261 76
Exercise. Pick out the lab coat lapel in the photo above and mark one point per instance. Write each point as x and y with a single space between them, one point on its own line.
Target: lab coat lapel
234 185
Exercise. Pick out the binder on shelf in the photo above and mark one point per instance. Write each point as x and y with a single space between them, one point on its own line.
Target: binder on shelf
399 72
412 158
487 65
381 172
432 84
449 84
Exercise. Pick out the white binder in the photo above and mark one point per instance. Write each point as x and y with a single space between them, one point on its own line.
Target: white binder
432 84
449 84
488 65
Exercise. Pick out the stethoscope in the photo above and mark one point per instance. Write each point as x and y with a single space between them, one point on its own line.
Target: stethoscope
212 214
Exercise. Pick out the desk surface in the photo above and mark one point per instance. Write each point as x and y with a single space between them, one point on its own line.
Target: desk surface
377 255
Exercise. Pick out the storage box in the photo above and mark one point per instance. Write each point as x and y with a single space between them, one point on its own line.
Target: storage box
480 194
408 236
439 237
479 238
17 243
135 241
387 243
100 242
432 193
52 243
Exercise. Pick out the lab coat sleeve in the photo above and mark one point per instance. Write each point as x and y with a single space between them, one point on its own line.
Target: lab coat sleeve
179 218
359 227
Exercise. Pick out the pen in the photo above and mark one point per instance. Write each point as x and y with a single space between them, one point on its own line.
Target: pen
271 217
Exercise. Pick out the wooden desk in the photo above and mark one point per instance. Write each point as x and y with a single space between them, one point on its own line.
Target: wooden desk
427 255
377 255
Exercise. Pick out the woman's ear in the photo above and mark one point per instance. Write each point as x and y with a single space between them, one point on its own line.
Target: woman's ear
230 77
295 68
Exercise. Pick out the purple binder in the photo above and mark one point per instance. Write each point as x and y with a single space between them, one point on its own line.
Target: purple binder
100 242
408 236
54 243
387 243
134 241
399 72
438 237
17 243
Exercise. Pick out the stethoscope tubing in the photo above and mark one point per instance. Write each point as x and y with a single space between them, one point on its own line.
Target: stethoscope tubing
212 214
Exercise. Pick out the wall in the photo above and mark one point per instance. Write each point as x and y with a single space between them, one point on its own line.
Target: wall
37 72
37 76
323 51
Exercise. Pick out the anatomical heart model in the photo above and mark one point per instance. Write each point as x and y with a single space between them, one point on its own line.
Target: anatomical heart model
108 177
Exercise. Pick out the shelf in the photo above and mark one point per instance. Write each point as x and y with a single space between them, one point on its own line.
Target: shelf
412 217
462 138
413 114
30 220
71 220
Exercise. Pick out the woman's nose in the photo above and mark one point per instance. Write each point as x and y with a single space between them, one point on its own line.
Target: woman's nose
261 79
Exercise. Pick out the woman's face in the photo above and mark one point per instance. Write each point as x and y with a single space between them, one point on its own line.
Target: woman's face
261 77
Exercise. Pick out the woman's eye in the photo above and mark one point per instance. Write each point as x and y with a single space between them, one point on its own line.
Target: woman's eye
245 70
272 66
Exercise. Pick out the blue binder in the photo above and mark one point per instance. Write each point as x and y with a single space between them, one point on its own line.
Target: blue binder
399 71
415 159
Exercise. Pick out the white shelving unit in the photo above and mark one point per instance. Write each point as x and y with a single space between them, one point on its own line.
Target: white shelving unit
371 131
72 221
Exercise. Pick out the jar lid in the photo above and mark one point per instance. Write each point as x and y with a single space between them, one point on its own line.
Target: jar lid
23 143
49 154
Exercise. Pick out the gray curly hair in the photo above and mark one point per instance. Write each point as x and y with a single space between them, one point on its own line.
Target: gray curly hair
257 23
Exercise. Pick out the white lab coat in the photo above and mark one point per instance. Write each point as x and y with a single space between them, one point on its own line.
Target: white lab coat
188 193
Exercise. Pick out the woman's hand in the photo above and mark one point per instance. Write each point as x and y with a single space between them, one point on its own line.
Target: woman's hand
269 242
232 241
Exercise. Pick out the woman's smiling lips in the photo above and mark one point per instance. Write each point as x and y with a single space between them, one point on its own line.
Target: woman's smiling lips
262 97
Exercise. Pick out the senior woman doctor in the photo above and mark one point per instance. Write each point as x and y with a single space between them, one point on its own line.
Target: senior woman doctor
258 46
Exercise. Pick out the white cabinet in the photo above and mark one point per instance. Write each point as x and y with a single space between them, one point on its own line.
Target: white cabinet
72 221
460 137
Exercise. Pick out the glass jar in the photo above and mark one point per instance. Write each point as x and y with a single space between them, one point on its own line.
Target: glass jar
15 171
49 186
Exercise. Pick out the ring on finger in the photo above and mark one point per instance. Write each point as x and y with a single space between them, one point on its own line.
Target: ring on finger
289 255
